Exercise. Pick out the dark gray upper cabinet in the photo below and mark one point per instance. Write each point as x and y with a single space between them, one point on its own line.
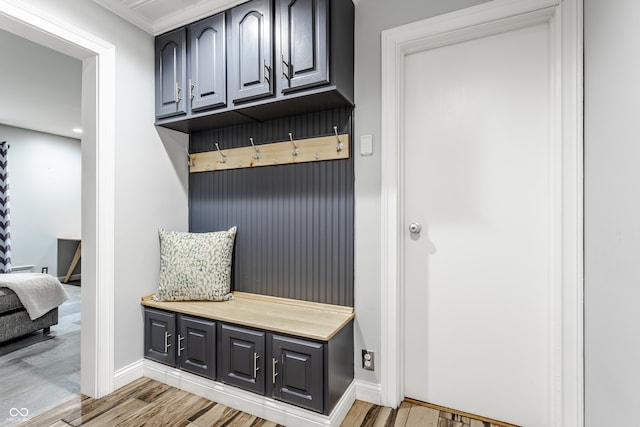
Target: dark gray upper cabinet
196 345
171 73
250 66
283 57
298 372
207 63
304 44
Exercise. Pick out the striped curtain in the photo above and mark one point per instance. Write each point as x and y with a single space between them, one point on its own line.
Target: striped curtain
5 235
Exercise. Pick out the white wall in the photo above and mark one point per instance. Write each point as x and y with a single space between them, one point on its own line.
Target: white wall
44 180
372 17
150 172
42 90
612 212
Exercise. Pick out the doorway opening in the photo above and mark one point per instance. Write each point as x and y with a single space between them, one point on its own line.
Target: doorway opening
98 110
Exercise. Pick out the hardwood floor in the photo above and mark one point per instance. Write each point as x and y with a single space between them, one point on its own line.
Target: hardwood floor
43 371
146 402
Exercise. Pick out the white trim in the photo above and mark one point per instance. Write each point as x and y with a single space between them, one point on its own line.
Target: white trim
128 374
251 403
105 223
566 317
369 392
48 30
176 19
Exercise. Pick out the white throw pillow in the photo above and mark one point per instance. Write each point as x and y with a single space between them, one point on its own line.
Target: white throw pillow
195 266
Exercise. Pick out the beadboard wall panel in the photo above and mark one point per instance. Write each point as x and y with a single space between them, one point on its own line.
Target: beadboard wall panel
295 222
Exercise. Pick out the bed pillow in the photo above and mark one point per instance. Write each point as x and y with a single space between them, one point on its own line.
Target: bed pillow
195 266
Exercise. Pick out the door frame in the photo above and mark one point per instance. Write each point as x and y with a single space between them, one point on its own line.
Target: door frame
564 17
98 175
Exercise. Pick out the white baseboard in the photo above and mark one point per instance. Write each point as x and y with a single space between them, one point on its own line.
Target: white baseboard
244 401
128 374
369 392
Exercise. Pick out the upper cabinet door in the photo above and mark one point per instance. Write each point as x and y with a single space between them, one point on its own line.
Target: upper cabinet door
304 35
250 67
207 59
171 73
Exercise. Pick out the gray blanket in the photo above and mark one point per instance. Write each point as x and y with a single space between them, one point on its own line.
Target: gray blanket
38 293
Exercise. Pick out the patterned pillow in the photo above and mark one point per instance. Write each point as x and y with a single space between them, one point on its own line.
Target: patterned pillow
195 266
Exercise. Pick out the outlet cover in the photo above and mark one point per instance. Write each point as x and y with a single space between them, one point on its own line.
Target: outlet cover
368 360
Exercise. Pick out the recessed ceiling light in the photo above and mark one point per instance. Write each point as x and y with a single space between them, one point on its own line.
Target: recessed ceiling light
77 130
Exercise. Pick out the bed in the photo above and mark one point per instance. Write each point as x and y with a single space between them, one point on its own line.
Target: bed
28 302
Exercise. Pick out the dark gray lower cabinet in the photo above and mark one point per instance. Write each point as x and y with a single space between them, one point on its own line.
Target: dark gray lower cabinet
241 357
159 336
182 341
297 371
303 372
197 346
311 374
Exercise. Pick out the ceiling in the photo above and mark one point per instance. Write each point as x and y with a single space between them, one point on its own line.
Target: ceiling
159 16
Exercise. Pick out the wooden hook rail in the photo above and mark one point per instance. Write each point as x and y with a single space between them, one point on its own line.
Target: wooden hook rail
332 147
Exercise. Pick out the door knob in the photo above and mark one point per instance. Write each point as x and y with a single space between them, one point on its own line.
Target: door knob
415 228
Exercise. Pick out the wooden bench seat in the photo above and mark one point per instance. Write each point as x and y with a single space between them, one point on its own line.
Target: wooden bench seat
288 316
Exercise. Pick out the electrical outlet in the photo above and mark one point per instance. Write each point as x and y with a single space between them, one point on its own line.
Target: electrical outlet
367 360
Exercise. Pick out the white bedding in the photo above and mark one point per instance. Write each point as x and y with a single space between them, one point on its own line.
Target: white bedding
38 293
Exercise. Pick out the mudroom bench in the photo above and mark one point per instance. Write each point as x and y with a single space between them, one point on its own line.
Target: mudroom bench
291 351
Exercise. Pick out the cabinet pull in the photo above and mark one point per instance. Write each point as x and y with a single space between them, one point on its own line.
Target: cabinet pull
167 335
286 71
180 348
178 90
274 374
255 365
267 71
192 86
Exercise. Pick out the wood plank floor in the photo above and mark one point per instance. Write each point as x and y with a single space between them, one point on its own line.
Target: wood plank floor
146 402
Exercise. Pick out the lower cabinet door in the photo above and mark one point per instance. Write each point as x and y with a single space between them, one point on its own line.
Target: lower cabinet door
160 336
196 346
298 372
241 357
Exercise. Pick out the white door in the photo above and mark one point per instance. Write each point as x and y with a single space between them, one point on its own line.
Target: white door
476 178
